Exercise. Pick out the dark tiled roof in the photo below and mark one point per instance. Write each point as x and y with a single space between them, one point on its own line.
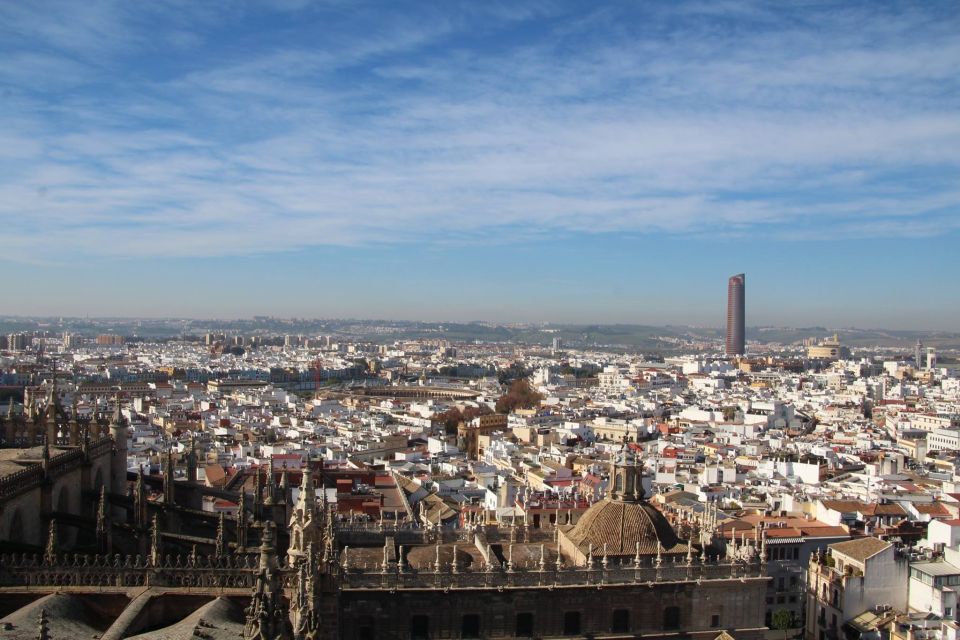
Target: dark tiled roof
620 526
861 548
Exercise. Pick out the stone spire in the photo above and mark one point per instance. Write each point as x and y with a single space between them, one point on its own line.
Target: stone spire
304 526
221 536
74 423
242 519
192 460
140 500
103 524
51 412
258 493
267 616
155 543
307 500
43 631
168 493
50 554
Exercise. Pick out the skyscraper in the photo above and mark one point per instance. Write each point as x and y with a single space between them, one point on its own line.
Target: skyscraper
735 315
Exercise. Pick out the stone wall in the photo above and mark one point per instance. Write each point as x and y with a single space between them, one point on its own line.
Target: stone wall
734 605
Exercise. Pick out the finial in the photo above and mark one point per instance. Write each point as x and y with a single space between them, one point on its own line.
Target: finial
155 542
220 536
118 420
43 632
50 554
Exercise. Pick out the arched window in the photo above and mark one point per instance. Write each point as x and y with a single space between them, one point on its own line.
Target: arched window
621 621
524 625
470 626
671 618
571 623
63 500
420 627
16 527
366 628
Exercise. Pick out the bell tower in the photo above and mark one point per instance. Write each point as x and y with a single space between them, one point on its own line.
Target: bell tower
626 476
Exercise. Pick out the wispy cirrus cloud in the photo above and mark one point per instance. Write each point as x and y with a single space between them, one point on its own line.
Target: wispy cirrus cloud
267 131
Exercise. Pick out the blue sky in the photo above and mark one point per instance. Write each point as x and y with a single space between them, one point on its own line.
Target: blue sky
554 161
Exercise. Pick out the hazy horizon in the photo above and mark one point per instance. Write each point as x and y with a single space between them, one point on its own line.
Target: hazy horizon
545 324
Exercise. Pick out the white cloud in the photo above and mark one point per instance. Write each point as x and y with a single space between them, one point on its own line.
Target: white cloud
439 128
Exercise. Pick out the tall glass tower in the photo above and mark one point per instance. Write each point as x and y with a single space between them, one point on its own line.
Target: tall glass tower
736 340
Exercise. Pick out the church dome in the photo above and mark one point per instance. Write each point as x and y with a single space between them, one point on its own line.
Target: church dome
620 525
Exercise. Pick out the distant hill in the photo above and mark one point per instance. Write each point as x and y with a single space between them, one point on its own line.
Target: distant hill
663 339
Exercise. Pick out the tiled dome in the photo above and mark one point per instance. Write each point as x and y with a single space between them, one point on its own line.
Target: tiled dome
621 525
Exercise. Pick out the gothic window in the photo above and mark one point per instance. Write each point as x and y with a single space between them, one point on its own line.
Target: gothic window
524 625
671 618
420 627
571 623
470 626
63 500
619 484
621 621
16 527
366 628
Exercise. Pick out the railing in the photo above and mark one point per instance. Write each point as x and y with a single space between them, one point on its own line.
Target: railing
199 572
20 481
32 476
498 578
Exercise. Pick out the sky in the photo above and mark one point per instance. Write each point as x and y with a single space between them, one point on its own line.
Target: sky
608 162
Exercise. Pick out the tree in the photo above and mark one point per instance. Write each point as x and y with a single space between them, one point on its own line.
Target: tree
454 416
520 396
782 621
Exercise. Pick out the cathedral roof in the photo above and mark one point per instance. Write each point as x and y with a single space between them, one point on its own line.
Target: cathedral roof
621 525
